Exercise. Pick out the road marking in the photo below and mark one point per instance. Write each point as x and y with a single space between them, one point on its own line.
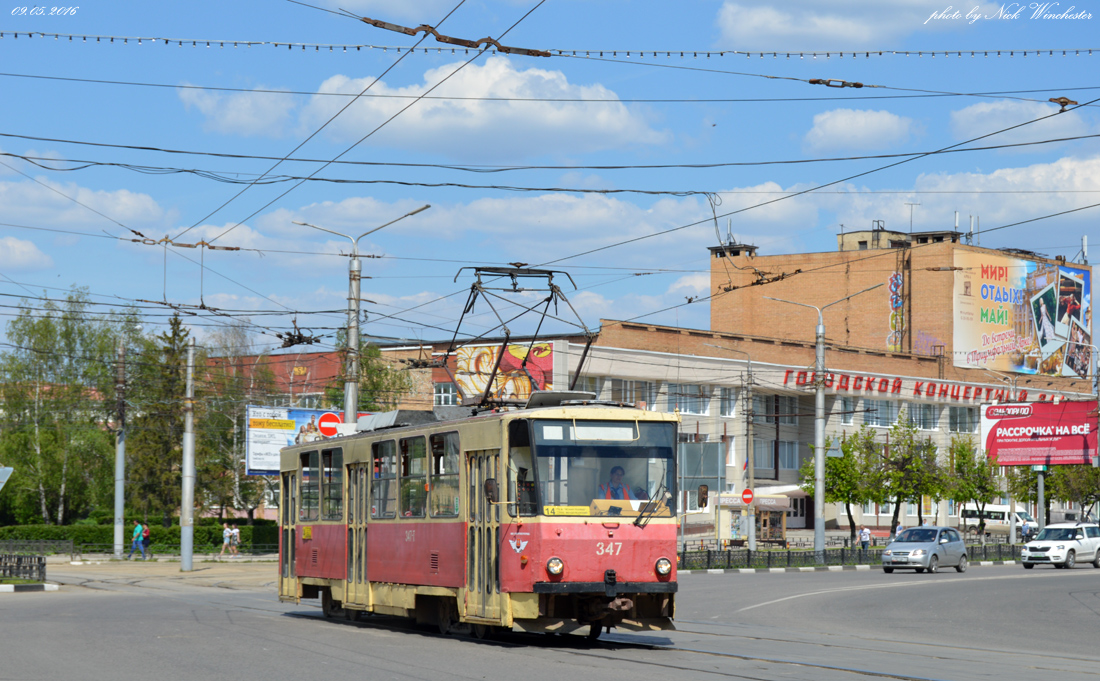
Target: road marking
937 582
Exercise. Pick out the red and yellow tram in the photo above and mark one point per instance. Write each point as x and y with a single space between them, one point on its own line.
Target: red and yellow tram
508 519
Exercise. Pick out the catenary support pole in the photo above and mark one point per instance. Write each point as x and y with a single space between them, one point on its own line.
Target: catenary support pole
120 450
351 382
187 503
1040 511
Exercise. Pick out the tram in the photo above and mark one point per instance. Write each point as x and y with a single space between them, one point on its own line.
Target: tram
506 520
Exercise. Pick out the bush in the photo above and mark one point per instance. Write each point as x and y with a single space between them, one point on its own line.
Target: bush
104 534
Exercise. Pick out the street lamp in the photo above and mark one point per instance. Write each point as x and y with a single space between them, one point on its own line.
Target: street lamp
749 453
351 382
819 419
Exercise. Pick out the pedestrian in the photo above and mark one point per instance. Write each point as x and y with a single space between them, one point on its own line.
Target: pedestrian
864 537
897 532
235 541
146 540
135 542
1024 531
227 539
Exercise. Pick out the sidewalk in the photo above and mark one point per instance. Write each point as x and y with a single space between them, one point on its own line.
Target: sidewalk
229 573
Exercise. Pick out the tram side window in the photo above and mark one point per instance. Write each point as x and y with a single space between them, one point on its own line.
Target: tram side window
310 479
332 484
444 482
383 488
413 477
521 478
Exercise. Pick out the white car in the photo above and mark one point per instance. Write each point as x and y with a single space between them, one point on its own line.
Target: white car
1063 545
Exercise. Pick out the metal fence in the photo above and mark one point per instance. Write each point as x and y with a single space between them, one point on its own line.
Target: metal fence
743 558
158 549
23 567
37 547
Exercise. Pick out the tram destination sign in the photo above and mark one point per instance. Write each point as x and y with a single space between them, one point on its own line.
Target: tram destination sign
1040 433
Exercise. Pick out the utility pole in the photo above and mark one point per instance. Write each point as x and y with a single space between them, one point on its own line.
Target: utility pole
911 206
351 381
819 419
187 503
120 448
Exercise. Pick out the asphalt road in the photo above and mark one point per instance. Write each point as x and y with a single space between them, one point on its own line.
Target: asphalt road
137 621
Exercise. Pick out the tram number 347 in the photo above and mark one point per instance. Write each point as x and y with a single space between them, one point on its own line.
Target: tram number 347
611 548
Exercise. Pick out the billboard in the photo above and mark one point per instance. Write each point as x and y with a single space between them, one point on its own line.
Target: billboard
474 365
1022 316
1038 433
272 428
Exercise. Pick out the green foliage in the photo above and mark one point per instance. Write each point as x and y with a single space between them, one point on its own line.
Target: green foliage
1078 484
849 478
972 476
104 534
52 384
910 469
155 436
381 386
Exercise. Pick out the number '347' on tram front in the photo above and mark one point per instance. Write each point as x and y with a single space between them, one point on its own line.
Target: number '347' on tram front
545 519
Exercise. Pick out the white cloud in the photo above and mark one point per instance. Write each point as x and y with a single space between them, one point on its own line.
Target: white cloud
485 129
986 117
809 25
52 203
857 129
242 113
17 255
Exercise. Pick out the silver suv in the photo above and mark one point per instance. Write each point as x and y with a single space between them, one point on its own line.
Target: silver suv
1063 545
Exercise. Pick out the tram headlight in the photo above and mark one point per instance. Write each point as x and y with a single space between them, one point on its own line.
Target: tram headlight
664 566
555 566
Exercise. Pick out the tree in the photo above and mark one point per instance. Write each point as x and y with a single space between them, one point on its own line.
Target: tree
1023 485
846 476
973 479
54 384
910 468
235 377
1078 484
155 443
381 386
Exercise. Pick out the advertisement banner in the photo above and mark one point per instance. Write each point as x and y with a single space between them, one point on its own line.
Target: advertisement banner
270 429
1039 433
514 379
1022 316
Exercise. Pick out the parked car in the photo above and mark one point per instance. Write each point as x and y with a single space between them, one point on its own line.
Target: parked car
925 548
1063 545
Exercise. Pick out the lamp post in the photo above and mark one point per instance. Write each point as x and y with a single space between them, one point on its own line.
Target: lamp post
819 419
351 382
749 415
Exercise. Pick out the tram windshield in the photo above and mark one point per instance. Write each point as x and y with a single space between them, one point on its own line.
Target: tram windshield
616 468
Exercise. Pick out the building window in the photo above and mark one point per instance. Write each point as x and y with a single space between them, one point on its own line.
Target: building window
728 402
863 245
880 413
590 384
633 392
688 399
963 420
765 407
446 395
764 454
925 416
847 410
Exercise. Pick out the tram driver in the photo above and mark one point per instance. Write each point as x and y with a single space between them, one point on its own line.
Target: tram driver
615 488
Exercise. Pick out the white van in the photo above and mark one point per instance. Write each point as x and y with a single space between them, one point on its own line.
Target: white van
996 518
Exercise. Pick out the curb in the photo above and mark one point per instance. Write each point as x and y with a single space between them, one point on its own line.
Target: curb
821 568
24 588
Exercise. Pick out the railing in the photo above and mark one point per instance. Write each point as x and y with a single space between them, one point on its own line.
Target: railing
711 559
23 567
213 550
37 547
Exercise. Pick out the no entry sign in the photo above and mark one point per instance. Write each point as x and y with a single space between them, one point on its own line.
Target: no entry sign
747 496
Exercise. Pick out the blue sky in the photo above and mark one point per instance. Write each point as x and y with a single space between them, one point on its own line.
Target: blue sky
566 122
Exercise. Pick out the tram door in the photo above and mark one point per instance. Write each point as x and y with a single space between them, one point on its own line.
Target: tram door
483 537
288 582
358 490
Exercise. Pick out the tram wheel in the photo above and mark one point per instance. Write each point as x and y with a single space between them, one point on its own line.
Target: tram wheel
482 632
594 631
329 607
445 616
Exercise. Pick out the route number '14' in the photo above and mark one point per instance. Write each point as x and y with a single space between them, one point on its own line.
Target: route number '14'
611 548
